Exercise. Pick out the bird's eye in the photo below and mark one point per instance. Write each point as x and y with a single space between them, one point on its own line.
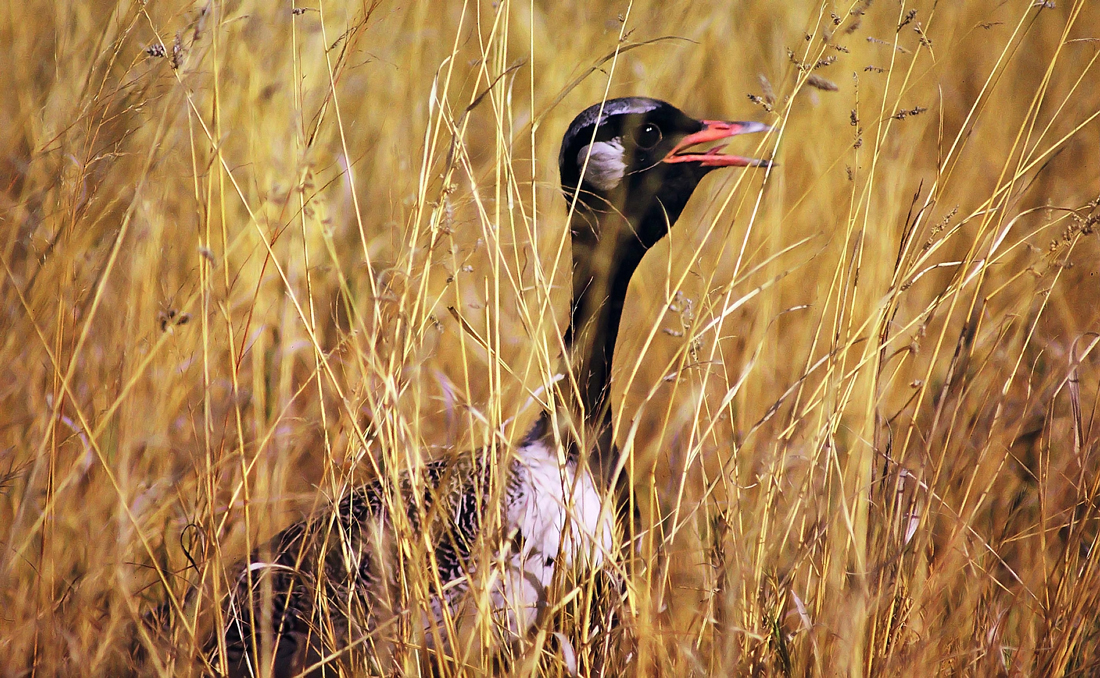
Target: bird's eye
648 136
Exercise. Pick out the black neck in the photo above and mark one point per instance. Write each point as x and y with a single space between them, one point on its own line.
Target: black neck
608 244
607 248
604 259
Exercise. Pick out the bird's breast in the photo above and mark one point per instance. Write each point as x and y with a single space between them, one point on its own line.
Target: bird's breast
555 518
558 512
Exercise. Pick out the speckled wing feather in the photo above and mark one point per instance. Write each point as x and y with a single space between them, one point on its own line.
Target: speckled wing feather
326 583
330 582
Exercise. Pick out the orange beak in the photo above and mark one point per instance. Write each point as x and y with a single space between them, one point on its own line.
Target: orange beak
714 130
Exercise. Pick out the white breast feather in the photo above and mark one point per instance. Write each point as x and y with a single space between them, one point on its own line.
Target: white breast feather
551 497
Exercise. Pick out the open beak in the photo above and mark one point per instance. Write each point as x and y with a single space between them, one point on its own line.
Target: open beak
714 130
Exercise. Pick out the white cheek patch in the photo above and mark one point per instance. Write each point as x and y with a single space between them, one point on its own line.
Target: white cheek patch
606 166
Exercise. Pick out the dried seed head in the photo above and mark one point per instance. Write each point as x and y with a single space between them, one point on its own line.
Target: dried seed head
903 114
908 18
818 82
769 93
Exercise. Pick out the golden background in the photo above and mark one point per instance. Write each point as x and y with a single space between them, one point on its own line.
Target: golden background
858 390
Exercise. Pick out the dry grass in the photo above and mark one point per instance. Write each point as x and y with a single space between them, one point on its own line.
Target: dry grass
859 391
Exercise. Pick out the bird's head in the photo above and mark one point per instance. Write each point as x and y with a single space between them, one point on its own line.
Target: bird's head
639 157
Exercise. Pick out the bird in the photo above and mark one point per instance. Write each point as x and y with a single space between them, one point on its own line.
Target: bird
330 584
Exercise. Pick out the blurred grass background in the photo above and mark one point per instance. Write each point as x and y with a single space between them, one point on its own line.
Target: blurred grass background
858 393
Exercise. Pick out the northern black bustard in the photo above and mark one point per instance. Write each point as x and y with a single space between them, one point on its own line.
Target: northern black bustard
328 584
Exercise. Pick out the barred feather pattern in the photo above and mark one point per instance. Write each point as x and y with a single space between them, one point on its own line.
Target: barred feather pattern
336 578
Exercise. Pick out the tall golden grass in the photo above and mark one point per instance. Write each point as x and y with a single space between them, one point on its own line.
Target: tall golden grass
253 254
